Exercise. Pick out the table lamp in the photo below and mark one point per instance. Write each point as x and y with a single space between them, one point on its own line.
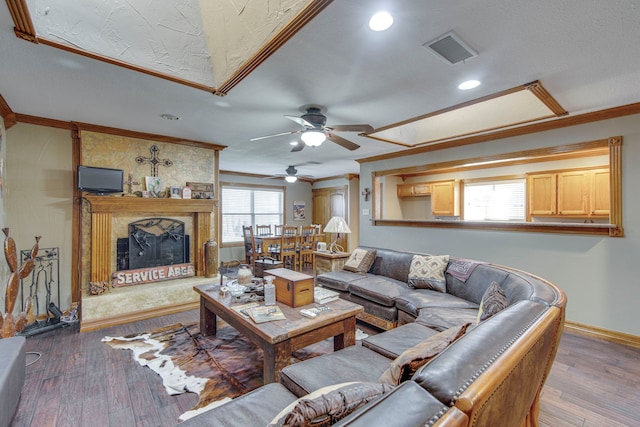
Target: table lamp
336 225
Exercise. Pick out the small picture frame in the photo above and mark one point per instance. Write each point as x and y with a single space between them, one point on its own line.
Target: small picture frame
175 192
186 192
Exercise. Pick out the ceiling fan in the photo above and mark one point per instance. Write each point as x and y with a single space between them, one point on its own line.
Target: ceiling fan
291 175
316 131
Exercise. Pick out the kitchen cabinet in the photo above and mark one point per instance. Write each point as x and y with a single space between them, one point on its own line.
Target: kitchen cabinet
574 193
443 198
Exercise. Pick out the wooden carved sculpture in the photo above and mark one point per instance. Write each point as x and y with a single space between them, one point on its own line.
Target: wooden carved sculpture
9 326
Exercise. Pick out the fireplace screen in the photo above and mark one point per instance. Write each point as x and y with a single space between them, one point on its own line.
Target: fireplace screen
155 242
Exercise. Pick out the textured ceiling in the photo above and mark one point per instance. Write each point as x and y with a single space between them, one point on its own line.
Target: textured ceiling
585 54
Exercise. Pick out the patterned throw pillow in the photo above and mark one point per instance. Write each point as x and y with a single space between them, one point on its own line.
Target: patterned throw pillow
404 366
427 272
493 301
329 404
360 260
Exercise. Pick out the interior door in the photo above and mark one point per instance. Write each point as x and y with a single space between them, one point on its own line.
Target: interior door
329 202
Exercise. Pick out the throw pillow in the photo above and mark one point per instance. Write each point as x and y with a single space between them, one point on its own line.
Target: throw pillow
360 260
329 404
427 272
404 366
493 301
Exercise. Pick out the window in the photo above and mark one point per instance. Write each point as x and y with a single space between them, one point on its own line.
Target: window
249 206
497 200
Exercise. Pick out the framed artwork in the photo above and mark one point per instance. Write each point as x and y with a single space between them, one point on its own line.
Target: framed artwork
298 211
154 185
175 192
201 190
186 192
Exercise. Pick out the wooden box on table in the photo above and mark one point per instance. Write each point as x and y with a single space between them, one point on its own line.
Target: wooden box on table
292 288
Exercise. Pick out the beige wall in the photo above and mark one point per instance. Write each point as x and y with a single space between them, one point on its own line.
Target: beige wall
38 195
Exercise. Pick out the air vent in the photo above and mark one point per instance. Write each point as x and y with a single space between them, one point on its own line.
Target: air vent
450 48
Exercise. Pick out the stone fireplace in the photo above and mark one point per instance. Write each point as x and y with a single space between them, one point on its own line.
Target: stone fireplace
152 225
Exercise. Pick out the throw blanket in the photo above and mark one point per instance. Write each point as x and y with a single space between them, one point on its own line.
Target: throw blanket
461 268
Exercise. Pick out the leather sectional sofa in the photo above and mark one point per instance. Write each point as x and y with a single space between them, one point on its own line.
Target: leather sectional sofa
491 375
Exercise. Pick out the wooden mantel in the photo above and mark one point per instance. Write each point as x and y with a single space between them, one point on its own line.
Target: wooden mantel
103 207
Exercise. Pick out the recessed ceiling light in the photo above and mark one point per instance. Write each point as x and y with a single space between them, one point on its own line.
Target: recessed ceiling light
167 116
293 143
469 84
380 21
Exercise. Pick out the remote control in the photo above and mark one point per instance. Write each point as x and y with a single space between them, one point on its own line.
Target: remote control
308 313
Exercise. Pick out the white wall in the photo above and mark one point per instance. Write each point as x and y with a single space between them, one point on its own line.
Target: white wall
39 195
597 273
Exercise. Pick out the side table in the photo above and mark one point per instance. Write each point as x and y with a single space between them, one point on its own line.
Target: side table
324 262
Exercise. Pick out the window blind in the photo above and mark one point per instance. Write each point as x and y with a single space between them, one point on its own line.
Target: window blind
246 206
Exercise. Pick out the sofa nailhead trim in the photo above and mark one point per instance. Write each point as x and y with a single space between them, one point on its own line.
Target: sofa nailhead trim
491 360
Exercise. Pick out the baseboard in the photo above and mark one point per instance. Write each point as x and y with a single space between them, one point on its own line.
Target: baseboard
122 319
605 334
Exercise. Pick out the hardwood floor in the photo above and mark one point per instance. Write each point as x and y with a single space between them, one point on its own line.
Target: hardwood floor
79 381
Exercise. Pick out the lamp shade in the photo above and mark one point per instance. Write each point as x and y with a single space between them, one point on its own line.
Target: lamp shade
313 137
337 224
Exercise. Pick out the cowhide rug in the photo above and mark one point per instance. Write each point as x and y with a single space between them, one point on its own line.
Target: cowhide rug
216 368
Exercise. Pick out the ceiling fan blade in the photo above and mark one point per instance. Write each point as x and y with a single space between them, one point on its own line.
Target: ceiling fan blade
299 120
351 128
274 135
342 142
298 147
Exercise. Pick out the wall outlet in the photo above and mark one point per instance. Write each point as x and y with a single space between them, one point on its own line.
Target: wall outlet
365 212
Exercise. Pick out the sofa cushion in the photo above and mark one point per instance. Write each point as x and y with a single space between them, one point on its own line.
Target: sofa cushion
406 405
406 364
493 301
476 285
427 272
354 363
329 404
360 260
379 289
416 299
393 342
441 318
256 408
392 264
370 307
337 280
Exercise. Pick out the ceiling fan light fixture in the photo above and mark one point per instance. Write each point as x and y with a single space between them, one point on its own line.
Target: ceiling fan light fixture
313 137
291 178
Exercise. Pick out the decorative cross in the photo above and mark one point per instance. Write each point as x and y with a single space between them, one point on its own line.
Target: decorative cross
153 160
130 182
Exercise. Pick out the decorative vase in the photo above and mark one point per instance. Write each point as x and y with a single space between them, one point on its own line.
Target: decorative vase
244 275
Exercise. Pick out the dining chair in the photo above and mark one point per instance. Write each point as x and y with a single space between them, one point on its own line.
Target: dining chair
289 248
263 230
277 229
288 230
306 246
306 230
250 249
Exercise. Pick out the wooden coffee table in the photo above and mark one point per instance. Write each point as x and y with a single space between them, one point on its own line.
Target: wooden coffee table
280 338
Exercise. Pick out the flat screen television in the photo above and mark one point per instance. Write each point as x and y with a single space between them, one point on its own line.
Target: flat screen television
100 180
